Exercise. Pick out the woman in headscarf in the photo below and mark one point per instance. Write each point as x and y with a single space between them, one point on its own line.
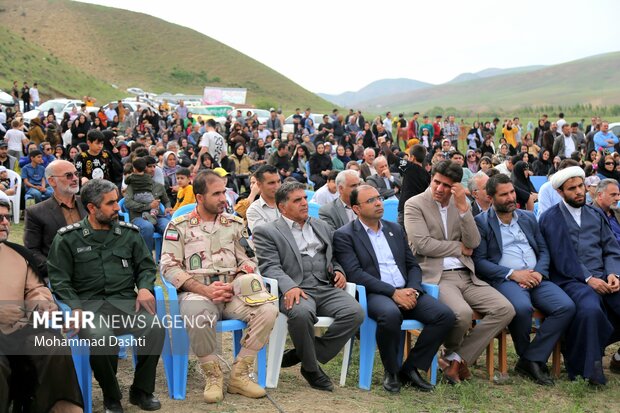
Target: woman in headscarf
543 164
320 166
242 164
171 166
301 155
485 164
474 136
526 194
35 132
472 161
607 168
340 161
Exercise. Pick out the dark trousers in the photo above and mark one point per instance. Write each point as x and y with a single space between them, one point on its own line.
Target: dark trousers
104 359
437 318
557 307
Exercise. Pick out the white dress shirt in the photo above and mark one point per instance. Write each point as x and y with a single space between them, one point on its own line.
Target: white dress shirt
574 212
305 238
388 269
448 262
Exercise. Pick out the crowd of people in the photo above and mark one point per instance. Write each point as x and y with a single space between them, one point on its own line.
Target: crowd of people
464 224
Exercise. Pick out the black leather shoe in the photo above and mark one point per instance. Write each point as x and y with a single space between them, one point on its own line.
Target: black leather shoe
290 358
318 379
532 370
391 383
414 379
145 401
112 406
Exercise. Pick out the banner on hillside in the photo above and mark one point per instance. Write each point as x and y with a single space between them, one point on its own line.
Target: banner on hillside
220 95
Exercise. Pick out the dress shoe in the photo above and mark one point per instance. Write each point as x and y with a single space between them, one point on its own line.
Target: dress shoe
145 401
414 379
532 370
464 373
451 374
614 365
318 379
391 382
290 358
112 406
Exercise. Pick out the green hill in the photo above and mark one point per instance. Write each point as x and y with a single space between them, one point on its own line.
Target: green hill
594 80
127 49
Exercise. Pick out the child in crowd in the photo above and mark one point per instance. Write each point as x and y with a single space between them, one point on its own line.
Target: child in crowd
5 182
142 185
33 177
185 195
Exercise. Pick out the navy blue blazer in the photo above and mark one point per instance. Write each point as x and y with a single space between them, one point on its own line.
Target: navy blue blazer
357 257
488 254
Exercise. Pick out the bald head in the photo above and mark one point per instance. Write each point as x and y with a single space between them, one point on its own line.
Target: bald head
369 156
62 176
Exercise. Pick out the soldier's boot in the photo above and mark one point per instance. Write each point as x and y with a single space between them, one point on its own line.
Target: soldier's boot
213 392
240 381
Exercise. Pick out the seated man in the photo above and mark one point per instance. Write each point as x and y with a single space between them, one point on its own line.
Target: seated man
296 250
443 234
375 254
29 375
513 257
33 177
585 263
339 212
477 188
96 266
264 209
207 256
387 184
143 198
328 193
367 166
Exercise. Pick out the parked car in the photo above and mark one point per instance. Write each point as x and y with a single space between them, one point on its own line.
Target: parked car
131 105
60 106
261 114
615 128
5 98
288 126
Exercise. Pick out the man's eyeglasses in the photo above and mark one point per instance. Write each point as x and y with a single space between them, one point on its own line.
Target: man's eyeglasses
5 216
372 200
47 149
67 175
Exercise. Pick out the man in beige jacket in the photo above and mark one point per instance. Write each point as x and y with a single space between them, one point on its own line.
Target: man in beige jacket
442 234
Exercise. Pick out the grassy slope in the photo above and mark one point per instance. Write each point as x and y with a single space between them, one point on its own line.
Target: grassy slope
595 80
133 49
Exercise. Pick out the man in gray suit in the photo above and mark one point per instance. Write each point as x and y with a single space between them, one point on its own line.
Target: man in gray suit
339 212
443 234
296 250
387 184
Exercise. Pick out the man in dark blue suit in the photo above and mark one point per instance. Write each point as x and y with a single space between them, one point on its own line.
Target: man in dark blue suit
374 253
513 257
585 263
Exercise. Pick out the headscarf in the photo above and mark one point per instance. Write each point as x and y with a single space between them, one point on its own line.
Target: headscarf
607 174
472 165
168 171
519 179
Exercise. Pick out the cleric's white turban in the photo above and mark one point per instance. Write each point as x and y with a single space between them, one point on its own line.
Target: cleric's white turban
558 179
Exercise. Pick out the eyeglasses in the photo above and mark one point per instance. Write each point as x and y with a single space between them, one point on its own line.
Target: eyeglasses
471 156
610 163
372 200
67 175
5 216
47 149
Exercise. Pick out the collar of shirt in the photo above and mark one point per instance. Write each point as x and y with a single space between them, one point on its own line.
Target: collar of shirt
370 230
263 203
292 224
575 212
514 220
63 205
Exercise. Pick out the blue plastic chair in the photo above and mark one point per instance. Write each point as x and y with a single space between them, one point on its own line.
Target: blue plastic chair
309 194
538 181
185 209
81 356
368 337
313 209
390 210
309 182
536 209
156 236
178 351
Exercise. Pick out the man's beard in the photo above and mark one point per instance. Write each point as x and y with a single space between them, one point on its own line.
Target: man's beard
105 220
576 204
504 208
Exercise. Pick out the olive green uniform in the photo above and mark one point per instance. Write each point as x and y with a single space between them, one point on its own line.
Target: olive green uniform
99 271
207 252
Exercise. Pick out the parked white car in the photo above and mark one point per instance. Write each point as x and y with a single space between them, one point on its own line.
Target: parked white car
289 127
615 128
60 106
262 114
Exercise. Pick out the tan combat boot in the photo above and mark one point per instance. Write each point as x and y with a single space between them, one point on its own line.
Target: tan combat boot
215 382
240 382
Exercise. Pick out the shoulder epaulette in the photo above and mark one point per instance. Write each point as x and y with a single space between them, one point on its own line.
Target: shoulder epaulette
180 218
69 228
237 218
128 225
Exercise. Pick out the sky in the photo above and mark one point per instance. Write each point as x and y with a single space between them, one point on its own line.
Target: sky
337 46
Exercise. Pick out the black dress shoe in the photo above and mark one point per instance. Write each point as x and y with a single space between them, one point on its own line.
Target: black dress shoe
145 401
391 383
532 370
414 379
318 379
290 358
112 406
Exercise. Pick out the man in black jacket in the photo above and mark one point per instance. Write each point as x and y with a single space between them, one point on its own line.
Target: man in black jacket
415 179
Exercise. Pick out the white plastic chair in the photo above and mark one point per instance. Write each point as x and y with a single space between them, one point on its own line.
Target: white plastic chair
15 199
277 340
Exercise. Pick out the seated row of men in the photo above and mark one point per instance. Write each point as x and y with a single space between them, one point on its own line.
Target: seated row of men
497 265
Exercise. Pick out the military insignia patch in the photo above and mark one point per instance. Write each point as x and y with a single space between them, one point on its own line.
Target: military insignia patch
195 262
223 220
193 221
172 235
255 286
244 233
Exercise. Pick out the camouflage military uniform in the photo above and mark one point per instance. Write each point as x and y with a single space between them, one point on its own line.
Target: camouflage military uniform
208 252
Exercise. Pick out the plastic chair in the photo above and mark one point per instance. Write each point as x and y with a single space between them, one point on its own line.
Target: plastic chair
390 210
313 209
309 194
81 356
157 238
277 340
535 209
16 198
368 337
308 181
178 350
538 181
185 209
